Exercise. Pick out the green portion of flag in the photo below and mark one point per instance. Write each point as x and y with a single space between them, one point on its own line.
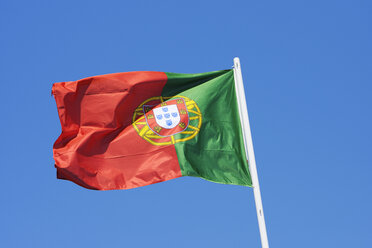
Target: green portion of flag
217 151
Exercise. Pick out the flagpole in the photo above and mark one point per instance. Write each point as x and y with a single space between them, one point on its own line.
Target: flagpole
243 112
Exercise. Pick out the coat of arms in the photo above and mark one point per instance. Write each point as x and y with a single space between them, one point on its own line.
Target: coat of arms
168 118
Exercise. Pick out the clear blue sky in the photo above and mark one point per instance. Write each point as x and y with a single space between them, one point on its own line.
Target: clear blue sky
307 68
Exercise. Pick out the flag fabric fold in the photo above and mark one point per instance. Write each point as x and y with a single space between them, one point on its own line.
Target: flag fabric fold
126 130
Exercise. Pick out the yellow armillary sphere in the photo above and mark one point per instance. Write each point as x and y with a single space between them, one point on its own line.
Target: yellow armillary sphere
152 133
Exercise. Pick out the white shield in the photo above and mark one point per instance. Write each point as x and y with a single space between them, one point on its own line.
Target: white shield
167 116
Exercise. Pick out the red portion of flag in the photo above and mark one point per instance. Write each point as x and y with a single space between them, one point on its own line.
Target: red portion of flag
98 147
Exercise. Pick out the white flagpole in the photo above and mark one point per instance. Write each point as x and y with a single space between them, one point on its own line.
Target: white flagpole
243 112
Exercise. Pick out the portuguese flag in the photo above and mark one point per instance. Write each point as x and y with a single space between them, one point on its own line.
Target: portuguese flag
126 130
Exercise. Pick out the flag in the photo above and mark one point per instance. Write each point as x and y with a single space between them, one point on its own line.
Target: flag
126 130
